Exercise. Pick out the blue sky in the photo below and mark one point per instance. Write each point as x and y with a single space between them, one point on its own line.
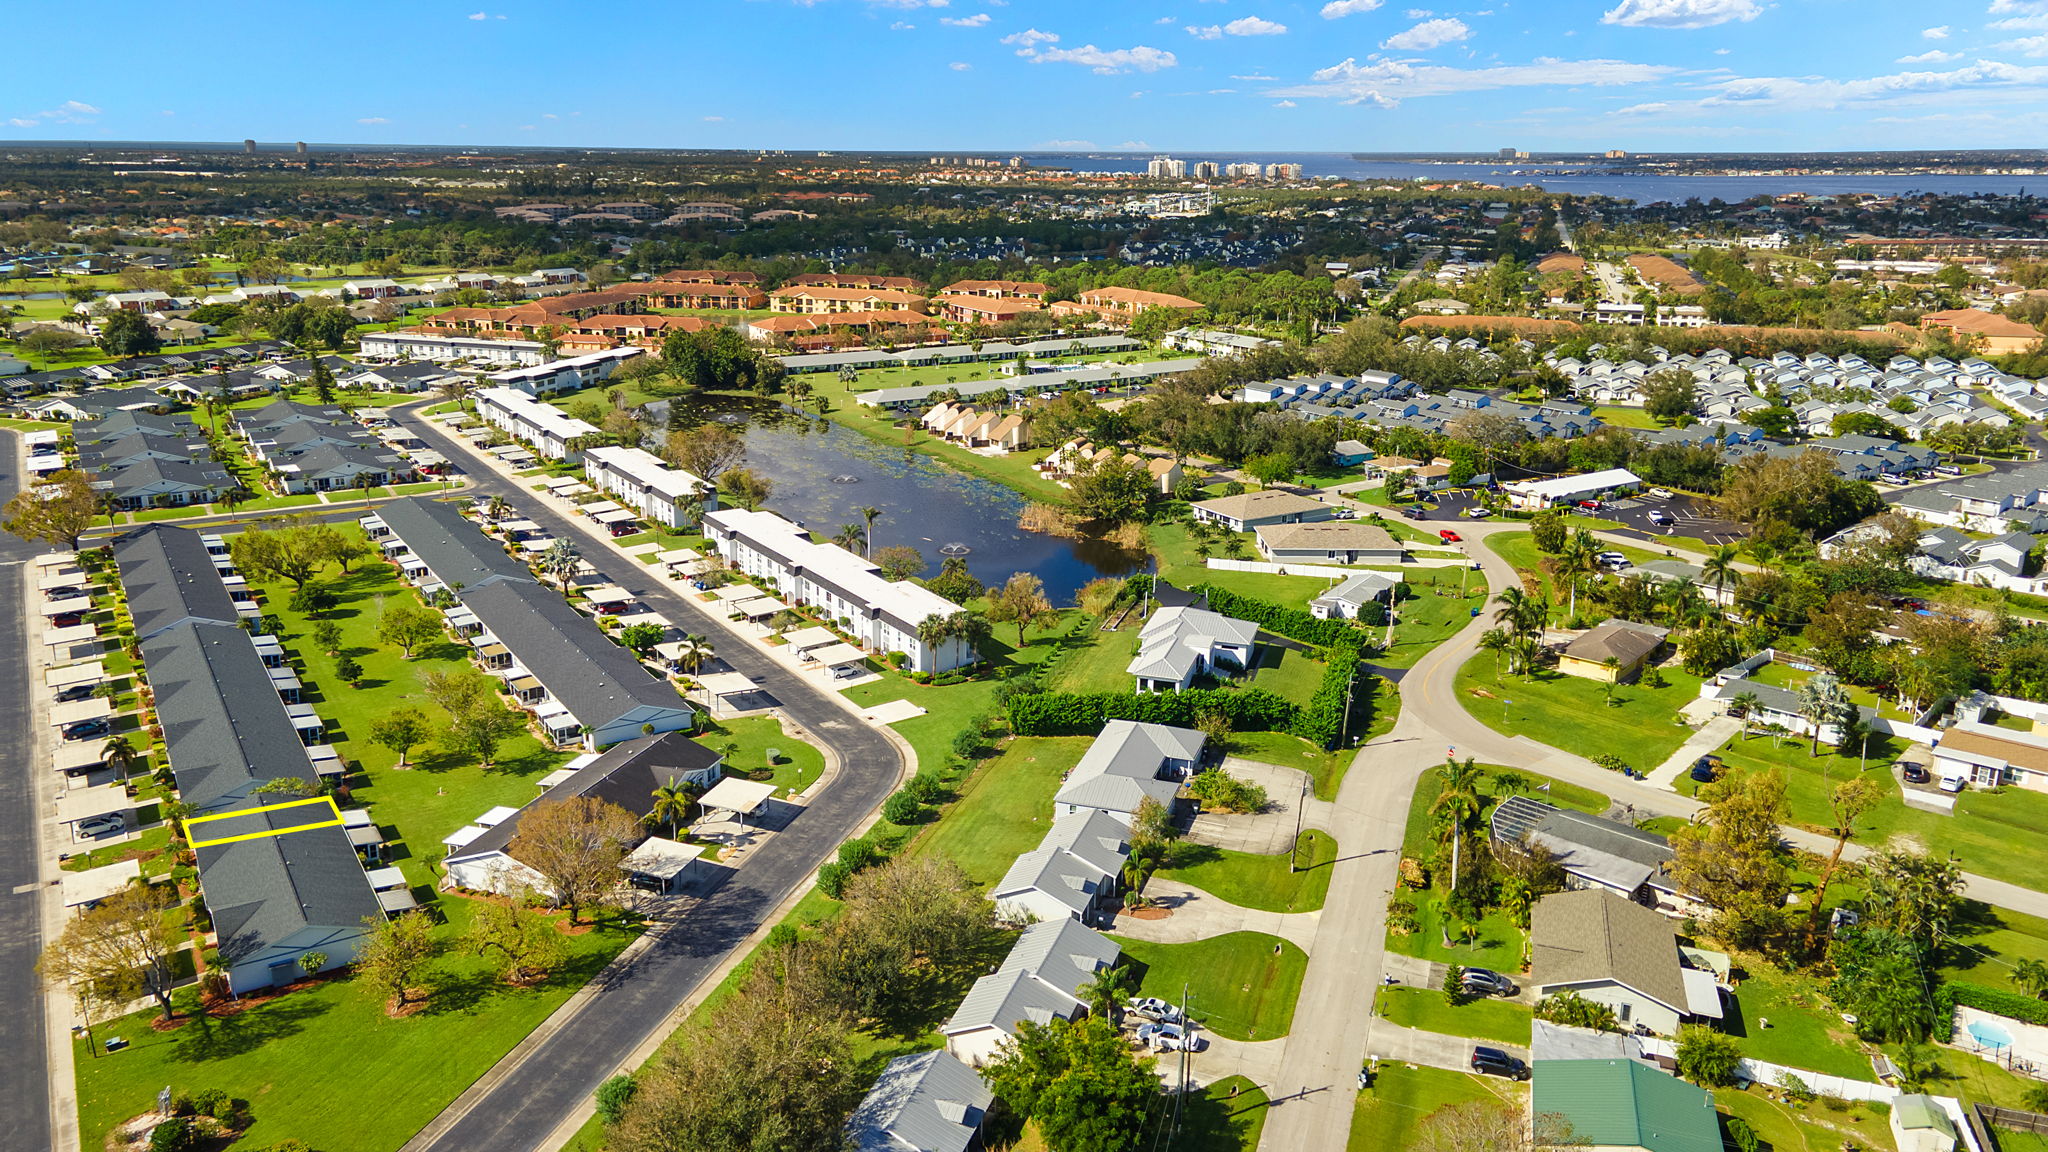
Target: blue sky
1249 75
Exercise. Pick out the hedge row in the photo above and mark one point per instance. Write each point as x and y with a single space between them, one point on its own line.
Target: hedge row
1995 1000
1322 721
1083 713
1295 623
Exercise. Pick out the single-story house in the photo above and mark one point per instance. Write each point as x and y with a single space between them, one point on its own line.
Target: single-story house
1329 542
1538 494
1990 756
1040 980
1920 1124
1349 454
1613 651
1349 597
1050 884
1249 510
1616 952
1128 763
1593 851
1620 1104
1178 644
927 1102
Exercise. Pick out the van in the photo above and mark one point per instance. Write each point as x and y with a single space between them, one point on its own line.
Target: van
1954 781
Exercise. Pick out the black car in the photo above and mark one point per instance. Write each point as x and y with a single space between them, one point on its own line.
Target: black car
86 729
1494 1062
1415 512
1915 773
1706 769
75 692
1486 982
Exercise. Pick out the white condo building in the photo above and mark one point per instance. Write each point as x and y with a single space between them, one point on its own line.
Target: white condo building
640 481
882 614
546 429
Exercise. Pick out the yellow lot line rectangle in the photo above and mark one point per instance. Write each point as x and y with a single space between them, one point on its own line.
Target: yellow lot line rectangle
332 807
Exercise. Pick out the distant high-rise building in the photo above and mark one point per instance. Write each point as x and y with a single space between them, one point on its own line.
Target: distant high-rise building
1616 154
1240 170
1166 167
1507 153
248 147
1283 171
1207 170
1016 161
300 147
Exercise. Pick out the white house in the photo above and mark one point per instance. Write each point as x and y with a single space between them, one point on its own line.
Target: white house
1039 981
1329 542
1540 494
1129 763
565 375
1249 510
1989 756
884 615
1180 643
1350 596
1613 951
544 428
639 480
444 347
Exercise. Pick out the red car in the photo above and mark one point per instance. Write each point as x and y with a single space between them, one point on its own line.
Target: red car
1448 536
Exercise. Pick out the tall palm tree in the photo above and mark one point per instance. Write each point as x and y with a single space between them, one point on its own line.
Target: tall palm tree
1577 558
119 752
870 515
1104 993
560 560
672 803
1457 805
1748 702
1719 570
692 651
1822 700
849 537
1494 640
498 508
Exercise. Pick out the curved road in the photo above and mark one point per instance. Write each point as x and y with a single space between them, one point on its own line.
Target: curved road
1314 1089
518 1104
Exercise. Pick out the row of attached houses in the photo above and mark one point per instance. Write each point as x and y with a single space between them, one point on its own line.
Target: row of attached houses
640 480
278 886
546 429
985 352
581 687
1076 456
979 428
882 615
145 459
319 448
447 347
1992 502
1092 377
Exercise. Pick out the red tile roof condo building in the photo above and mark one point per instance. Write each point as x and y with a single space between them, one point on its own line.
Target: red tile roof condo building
854 280
1023 289
693 294
814 299
1120 305
709 276
985 309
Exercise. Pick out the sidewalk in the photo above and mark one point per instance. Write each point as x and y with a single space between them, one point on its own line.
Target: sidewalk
1709 738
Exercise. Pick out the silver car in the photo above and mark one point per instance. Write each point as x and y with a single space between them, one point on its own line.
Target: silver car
1152 1008
1170 1038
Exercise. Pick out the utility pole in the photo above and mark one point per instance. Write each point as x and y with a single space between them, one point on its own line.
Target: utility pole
1294 852
1187 1030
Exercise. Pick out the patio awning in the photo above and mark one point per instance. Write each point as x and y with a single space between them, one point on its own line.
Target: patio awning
90 673
97 708
815 636
659 858
364 836
383 878
558 776
738 795
727 683
621 516
326 761
524 684
461 618
396 900
462 836
492 651
497 816
68 604
833 655
1702 993
96 884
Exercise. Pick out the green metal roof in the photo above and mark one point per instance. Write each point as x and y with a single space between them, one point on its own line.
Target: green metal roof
1920 1111
1627 1104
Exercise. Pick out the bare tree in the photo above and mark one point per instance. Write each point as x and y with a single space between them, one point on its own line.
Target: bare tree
118 951
576 846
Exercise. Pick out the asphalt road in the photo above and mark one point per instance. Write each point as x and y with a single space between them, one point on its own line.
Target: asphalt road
517 1112
24 1077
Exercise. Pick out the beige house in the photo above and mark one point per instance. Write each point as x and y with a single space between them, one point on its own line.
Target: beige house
1329 542
1628 645
814 300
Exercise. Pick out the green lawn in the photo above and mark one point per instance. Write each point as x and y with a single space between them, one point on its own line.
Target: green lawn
1440 606
1388 1115
1484 1018
1627 417
1227 1116
1287 672
746 743
1519 549
1805 1030
1098 661
1570 712
1258 880
1787 1127
1326 768
1004 807
400 1072
1241 985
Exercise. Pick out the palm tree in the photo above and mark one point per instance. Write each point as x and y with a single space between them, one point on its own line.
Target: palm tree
560 561
934 630
692 651
672 803
1509 782
1719 570
1458 802
1496 641
1104 994
1822 700
849 537
870 515
2032 975
1613 667
1748 702
498 508
119 752
1576 559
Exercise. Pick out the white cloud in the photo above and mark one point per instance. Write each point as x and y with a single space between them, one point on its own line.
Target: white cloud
372 120
526 127
910 3
1428 34
1286 104
1385 83
1109 61
2023 7
1976 83
21 122
1135 146
1681 13
961 66
1936 33
1254 26
1418 13
714 119
1027 41
1931 56
1068 145
2035 46
901 26
1650 109
1337 9
1212 32
479 16
2017 23
974 21
69 112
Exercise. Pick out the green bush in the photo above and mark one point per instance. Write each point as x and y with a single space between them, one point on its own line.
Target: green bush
1570 1008
858 854
174 1135
1220 790
1083 714
1322 721
1294 623
1610 761
925 787
612 1097
1742 1135
2025 1009
902 808
832 879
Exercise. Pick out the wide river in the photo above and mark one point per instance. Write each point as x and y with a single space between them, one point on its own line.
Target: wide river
825 474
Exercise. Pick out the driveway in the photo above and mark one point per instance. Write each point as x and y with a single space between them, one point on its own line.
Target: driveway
548 1080
1196 915
1267 832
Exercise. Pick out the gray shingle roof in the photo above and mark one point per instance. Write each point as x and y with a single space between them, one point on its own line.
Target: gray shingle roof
454 549
1592 934
626 774
596 680
170 578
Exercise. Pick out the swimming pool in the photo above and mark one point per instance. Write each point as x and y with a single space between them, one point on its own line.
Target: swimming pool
1990 1034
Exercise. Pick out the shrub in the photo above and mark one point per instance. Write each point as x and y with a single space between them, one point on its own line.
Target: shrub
1083 714
1454 984
967 744
2025 1009
1708 1058
1794 1088
902 808
1570 1008
173 1135
1294 623
1610 761
1219 789
925 787
832 879
858 854
346 669
1742 1135
612 1097
1323 720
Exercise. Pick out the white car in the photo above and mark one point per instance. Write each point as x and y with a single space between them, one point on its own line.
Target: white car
1659 493
1170 1038
1661 518
1152 1008
1614 560
1476 513
101 826
1953 783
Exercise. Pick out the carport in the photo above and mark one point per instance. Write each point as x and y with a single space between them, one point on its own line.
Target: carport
836 655
67 605
614 518
659 865
75 756
85 803
738 797
608 597
759 608
722 691
94 672
83 889
96 708
66 637
60 580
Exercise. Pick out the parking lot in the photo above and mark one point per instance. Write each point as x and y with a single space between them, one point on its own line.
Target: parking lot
1688 515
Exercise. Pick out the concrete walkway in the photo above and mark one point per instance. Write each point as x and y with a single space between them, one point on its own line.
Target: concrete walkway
1711 736
1196 915
1432 1049
1255 1060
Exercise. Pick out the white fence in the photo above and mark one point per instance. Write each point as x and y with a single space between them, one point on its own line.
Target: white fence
1764 1072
